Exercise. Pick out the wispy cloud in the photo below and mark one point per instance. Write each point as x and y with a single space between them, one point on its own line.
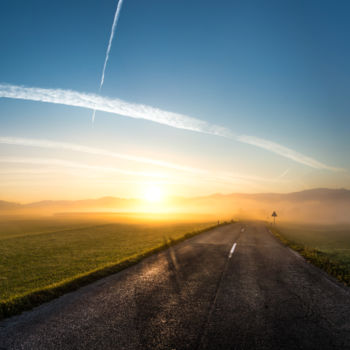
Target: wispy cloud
114 26
132 110
193 179
207 175
42 143
285 152
75 165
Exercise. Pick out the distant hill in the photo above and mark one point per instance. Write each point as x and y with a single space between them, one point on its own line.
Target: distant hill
52 206
8 205
316 205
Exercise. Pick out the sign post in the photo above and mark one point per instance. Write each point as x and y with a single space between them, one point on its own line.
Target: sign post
274 214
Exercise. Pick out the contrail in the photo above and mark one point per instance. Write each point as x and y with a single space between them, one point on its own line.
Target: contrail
115 106
114 26
138 111
282 175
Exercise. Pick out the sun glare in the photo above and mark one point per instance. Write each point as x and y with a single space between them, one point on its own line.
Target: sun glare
153 194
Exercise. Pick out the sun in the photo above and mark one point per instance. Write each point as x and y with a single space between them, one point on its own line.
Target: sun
153 194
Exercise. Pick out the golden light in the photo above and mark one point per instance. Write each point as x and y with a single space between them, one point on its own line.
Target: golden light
153 194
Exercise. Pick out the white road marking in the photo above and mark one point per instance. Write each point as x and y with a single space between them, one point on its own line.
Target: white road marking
232 250
242 229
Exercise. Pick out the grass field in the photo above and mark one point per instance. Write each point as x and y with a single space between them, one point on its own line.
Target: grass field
326 246
39 259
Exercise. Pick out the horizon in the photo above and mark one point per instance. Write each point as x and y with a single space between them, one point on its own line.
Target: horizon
142 198
316 206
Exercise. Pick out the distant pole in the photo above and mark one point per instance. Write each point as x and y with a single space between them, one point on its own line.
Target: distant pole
274 215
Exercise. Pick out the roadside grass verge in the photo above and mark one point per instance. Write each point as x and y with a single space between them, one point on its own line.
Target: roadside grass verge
335 264
144 244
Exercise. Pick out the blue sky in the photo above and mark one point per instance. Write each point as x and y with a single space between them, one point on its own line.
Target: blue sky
275 70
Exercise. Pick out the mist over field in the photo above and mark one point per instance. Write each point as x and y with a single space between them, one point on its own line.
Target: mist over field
322 206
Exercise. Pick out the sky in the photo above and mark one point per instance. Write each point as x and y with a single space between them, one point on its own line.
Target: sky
198 97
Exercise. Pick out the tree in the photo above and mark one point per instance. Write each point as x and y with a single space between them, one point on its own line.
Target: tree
274 214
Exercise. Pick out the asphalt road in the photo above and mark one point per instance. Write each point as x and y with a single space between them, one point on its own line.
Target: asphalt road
200 294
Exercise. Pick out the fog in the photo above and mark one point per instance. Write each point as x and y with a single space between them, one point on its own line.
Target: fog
323 206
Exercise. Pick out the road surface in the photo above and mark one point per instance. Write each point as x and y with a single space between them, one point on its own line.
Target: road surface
229 288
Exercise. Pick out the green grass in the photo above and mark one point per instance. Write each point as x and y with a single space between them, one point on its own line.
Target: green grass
40 264
326 246
17 227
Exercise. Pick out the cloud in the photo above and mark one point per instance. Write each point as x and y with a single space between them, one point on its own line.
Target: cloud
60 163
42 143
74 165
285 152
206 175
139 111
